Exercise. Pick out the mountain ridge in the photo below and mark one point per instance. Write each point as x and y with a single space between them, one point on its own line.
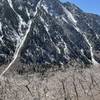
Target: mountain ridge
51 38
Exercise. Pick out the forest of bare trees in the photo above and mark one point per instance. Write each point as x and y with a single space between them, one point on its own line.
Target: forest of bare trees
73 83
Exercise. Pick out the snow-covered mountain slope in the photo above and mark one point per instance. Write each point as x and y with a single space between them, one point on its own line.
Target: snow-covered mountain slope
47 32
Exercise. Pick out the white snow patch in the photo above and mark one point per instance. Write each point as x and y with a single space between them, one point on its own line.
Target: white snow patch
28 14
38 5
65 46
0 26
57 48
45 7
10 3
42 19
90 45
64 20
28 53
47 30
21 22
1 39
70 16
91 51
20 8
20 45
45 24
82 51
97 36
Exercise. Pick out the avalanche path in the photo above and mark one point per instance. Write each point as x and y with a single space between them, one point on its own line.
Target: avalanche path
18 50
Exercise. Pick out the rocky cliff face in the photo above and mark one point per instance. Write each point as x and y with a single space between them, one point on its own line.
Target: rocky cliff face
47 32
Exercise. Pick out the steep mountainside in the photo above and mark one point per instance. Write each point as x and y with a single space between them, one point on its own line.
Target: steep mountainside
47 32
